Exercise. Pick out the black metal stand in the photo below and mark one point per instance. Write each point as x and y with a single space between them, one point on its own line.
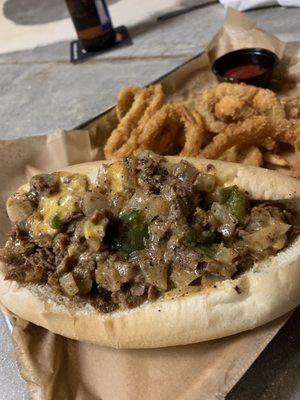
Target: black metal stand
79 54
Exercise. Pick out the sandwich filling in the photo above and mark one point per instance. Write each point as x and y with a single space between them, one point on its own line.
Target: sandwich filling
144 228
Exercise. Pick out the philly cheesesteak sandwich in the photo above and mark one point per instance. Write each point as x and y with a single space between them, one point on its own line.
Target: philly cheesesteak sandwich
150 251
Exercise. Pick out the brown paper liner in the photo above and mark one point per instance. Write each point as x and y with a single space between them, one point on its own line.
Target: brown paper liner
56 368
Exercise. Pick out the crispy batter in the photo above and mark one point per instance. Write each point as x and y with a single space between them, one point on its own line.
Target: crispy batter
275 159
247 132
159 132
297 136
292 107
167 124
232 108
231 155
146 124
229 102
143 107
297 145
265 102
249 155
256 130
126 98
194 132
295 171
253 156
232 122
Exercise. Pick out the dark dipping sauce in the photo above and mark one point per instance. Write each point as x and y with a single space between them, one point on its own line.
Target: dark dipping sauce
245 71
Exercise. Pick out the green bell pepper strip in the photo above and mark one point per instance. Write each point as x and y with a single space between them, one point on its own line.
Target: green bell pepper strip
236 202
132 239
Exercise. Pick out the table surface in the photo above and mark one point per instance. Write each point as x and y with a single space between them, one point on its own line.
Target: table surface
41 91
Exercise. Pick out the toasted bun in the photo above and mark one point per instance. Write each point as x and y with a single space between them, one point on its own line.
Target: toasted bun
270 289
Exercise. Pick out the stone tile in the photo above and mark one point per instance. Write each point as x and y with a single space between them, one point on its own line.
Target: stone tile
40 98
11 385
281 22
184 35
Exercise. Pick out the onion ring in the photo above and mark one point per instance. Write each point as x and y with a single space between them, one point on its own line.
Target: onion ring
158 136
233 122
126 98
143 107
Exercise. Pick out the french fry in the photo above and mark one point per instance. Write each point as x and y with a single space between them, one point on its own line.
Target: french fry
275 159
252 156
249 155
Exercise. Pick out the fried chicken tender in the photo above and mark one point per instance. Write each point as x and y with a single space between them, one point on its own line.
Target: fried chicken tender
232 108
255 131
292 107
231 102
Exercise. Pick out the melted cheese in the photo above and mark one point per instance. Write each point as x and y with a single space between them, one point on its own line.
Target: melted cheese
63 204
115 174
94 233
39 227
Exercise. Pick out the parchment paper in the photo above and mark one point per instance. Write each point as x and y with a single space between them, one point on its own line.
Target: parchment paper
56 368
